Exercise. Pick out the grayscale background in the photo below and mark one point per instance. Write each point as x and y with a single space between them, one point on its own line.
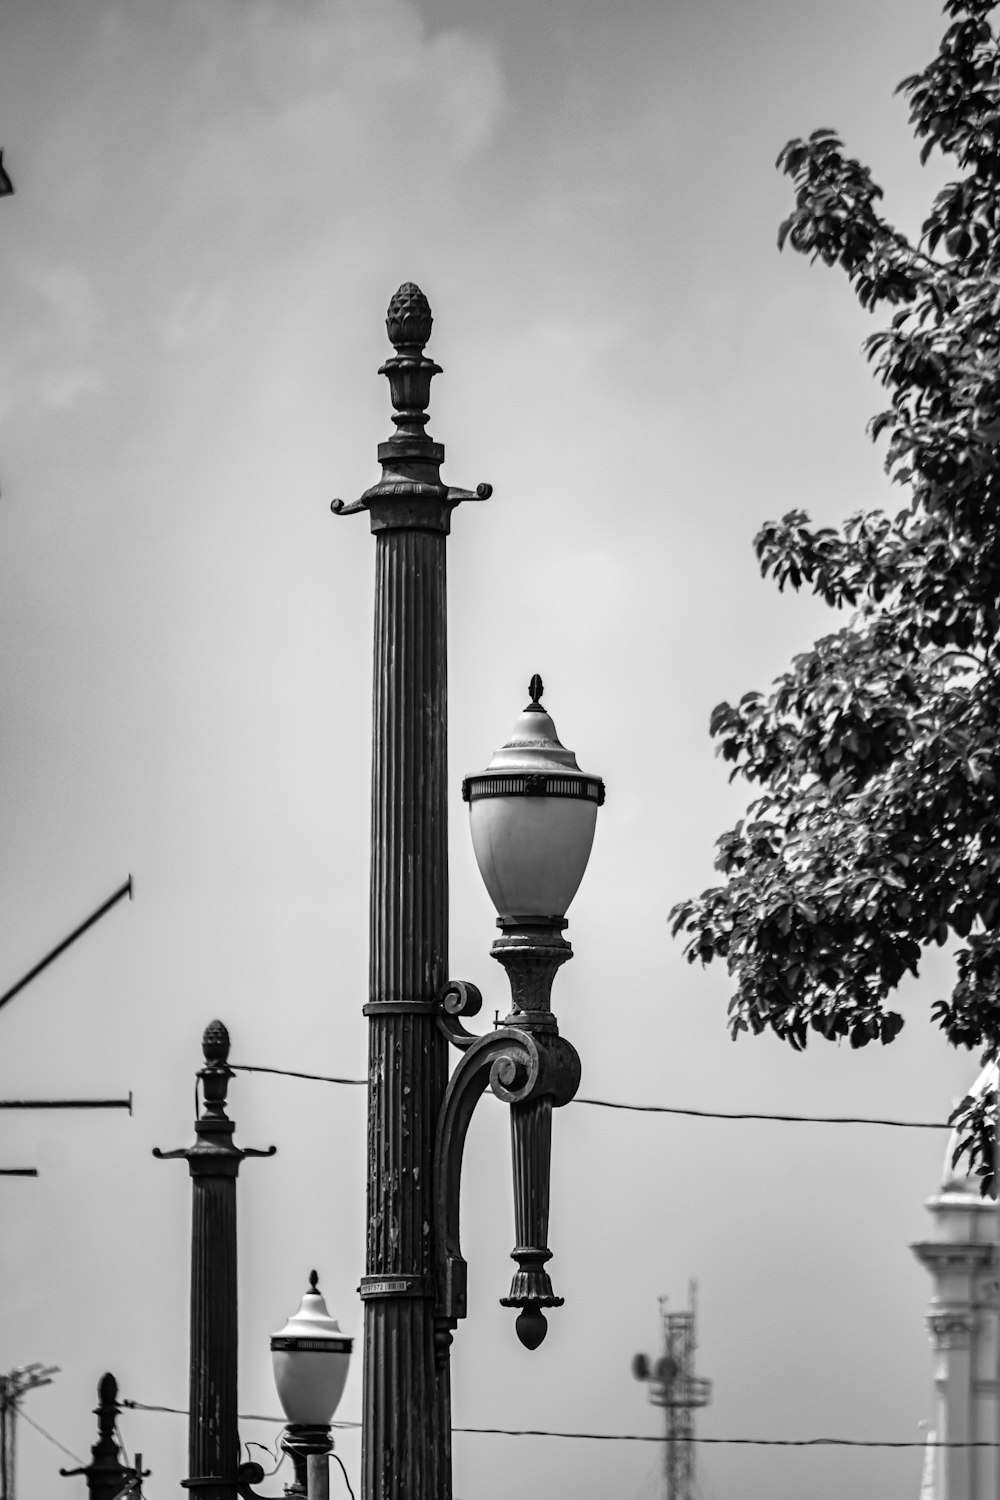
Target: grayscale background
215 200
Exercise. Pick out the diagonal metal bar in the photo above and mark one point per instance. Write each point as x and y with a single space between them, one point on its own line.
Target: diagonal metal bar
67 1103
125 890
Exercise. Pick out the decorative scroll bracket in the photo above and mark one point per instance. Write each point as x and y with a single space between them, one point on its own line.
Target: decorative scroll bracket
532 1069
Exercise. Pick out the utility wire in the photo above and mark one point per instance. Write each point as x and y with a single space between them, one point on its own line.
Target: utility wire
716 1114
245 1416
660 1109
286 1073
48 1436
346 1480
641 1437
634 1437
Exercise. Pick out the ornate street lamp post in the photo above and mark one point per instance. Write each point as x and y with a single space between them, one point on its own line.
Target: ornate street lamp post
107 1477
414 1283
215 1471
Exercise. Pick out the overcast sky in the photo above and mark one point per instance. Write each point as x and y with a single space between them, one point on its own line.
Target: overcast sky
215 200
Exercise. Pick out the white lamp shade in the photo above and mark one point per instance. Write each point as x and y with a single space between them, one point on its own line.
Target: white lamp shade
532 815
310 1383
532 851
310 1356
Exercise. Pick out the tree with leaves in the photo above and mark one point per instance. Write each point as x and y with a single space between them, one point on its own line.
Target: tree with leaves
875 758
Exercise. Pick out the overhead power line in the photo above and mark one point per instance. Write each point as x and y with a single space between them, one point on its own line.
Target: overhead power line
643 1437
244 1416
719 1114
288 1073
48 1436
656 1109
623 1437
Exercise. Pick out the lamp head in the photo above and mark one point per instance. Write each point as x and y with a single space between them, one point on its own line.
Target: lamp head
310 1356
532 814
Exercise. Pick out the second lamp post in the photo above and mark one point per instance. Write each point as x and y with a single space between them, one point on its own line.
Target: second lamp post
532 814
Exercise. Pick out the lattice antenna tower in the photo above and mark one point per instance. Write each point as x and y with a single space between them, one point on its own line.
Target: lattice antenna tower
678 1391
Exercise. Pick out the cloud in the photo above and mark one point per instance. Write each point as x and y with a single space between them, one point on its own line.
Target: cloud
62 389
196 312
379 55
217 143
278 93
54 327
69 295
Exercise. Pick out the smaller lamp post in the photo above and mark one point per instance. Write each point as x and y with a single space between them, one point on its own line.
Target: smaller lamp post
214 1162
310 1356
107 1477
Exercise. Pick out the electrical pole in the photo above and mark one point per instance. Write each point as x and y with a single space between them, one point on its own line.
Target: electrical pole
13 1387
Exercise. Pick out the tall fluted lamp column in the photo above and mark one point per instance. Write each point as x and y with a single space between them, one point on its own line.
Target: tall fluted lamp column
406 1448
414 1287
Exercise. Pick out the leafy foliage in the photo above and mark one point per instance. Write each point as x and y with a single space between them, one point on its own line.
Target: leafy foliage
877 754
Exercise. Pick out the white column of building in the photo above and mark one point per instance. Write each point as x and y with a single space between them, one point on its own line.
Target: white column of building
963 1321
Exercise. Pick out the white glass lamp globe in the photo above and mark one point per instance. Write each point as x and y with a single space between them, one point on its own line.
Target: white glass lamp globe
532 815
310 1356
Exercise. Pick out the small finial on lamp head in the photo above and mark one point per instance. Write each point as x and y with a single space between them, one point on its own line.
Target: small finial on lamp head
313 1281
535 690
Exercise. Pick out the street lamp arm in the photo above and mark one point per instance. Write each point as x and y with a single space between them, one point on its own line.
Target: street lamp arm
532 1071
